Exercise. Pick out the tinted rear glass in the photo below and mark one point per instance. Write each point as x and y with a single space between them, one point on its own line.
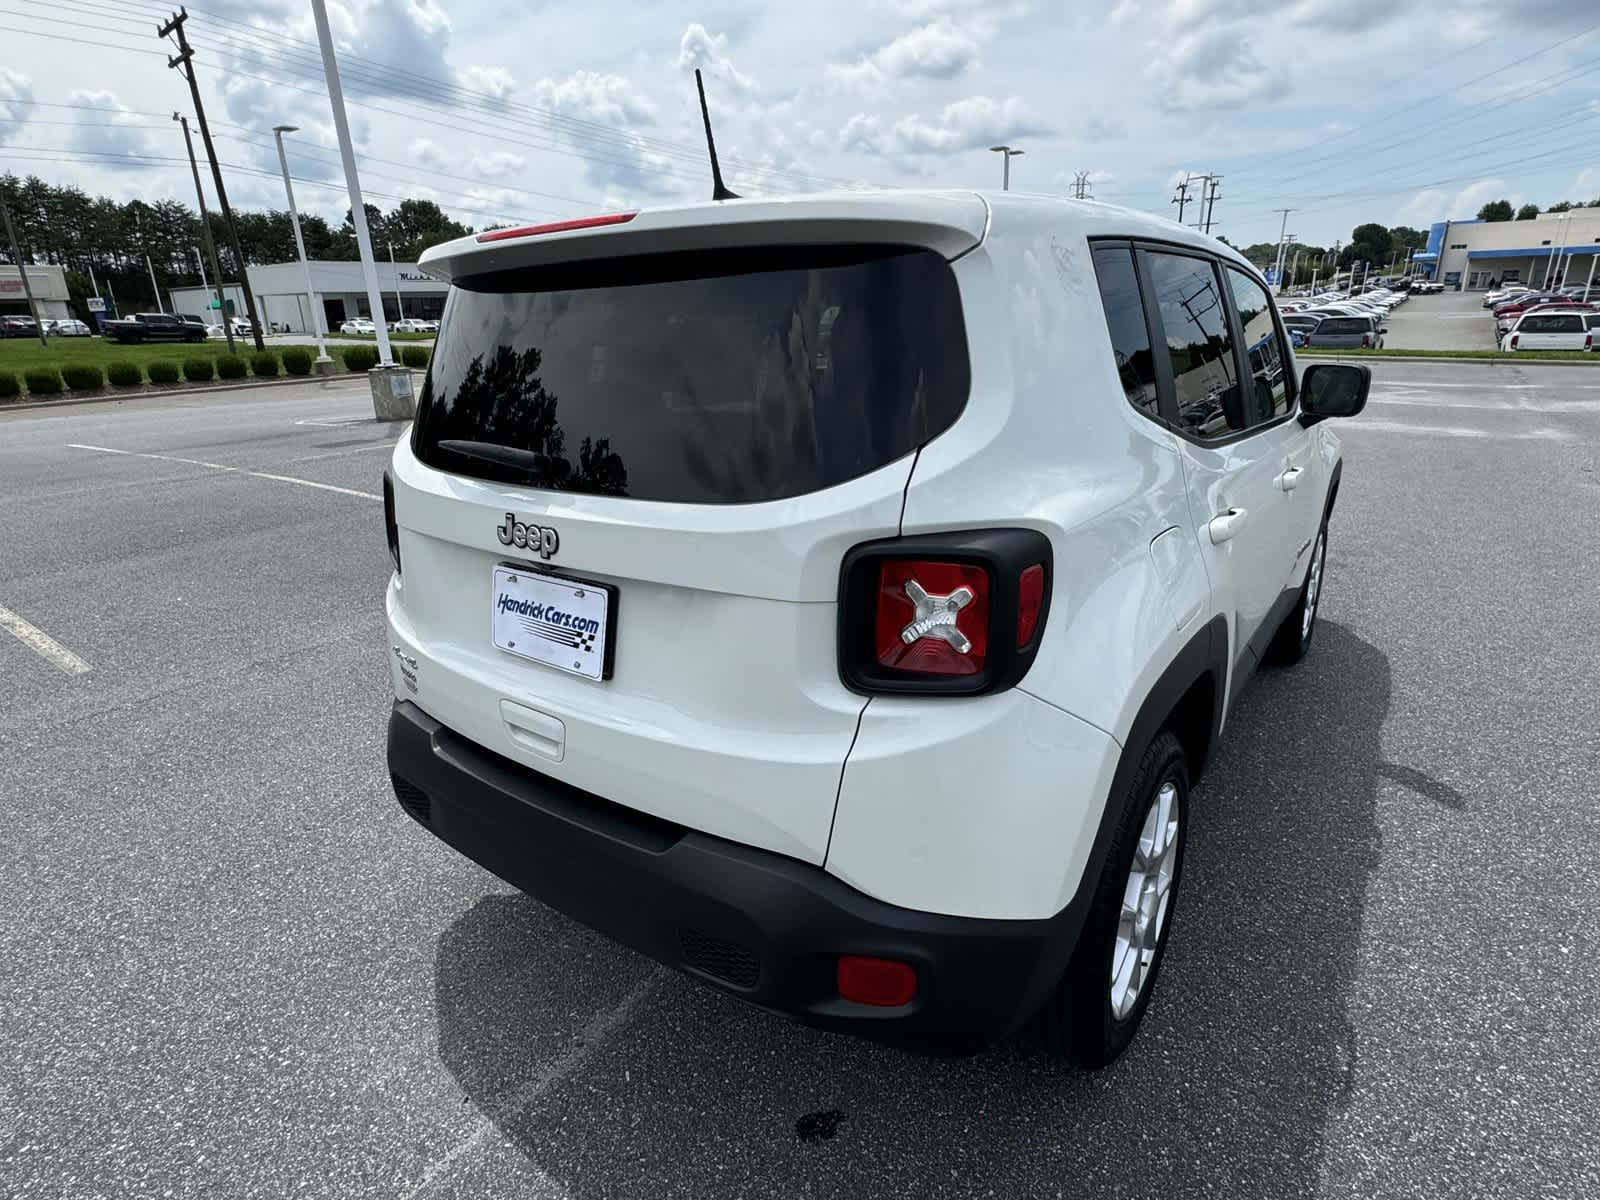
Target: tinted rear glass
725 377
1346 325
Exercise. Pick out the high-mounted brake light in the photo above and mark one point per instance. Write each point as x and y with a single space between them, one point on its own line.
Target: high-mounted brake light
500 235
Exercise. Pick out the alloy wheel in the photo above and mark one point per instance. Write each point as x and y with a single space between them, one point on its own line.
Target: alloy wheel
1145 901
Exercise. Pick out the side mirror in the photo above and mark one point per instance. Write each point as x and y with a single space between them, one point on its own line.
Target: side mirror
1385 329
1333 390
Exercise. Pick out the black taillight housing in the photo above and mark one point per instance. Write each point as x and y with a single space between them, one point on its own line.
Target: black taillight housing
952 614
390 525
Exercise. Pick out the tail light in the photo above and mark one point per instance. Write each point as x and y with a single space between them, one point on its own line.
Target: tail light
1588 341
955 614
1366 340
1513 342
391 526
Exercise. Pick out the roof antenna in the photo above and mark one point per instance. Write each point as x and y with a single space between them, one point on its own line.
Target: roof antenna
719 190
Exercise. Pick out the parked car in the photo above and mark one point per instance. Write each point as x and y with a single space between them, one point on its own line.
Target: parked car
954 796
358 325
1302 323
1426 287
1551 330
1348 333
1504 325
410 325
18 326
152 327
1490 299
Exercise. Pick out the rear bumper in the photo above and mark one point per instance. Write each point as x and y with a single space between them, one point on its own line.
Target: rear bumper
752 923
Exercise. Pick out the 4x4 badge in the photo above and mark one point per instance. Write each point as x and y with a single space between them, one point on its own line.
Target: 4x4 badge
936 616
542 538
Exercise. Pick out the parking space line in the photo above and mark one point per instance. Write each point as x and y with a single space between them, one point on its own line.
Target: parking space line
41 643
198 462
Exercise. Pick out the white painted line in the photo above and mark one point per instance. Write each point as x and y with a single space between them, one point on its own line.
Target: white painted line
1381 425
337 422
41 643
197 462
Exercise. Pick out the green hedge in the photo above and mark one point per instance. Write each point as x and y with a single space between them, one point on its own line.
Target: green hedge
199 370
124 374
360 358
162 372
264 362
297 360
43 381
83 377
9 385
414 356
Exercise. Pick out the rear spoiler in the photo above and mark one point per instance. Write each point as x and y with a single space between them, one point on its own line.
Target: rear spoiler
950 223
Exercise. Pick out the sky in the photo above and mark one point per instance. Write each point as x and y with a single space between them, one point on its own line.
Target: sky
513 111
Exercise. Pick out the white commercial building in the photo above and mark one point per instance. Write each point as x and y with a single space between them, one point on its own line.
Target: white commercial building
338 289
1476 255
49 286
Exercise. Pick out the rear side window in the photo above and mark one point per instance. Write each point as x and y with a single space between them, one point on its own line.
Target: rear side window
1346 325
1130 339
1194 325
709 378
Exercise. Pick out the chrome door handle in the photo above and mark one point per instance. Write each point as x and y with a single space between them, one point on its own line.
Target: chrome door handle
1290 479
1224 525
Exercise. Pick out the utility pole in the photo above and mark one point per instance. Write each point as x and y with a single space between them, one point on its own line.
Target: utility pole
1080 185
154 286
1283 229
1211 201
1182 198
205 235
1592 259
22 270
185 61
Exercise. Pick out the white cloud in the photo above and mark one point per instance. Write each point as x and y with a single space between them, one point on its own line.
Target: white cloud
496 164
496 83
939 50
105 131
1433 204
1585 187
698 48
16 102
965 125
623 160
1216 67
862 132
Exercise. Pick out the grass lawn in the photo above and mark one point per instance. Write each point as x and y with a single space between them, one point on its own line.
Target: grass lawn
1580 357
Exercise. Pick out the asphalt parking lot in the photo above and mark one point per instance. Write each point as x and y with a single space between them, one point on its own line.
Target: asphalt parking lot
1447 321
231 966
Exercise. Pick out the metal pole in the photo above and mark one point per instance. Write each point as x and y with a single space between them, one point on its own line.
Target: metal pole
154 286
205 234
112 292
300 245
1277 266
200 262
358 212
399 305
1592 259
22 270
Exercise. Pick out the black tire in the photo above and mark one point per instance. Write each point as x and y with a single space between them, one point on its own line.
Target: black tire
1293 639
1079 1022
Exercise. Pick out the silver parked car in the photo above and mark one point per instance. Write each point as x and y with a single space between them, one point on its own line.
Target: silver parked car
1348 333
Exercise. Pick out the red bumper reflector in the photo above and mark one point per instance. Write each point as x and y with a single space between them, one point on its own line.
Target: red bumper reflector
500 235
880 982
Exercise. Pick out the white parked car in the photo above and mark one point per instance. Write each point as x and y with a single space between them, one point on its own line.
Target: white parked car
68 327
810 642
357 325
411 325
1490 299
1553 329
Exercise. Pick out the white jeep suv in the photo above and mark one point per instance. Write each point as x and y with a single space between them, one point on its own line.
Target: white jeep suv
836 598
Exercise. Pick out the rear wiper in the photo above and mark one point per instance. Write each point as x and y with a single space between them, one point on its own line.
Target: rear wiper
535 467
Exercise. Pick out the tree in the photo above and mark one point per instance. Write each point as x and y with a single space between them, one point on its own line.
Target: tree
1527 212
1371 243
1495 210
1561 207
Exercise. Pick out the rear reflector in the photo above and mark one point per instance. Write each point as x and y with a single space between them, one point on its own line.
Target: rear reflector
1030 598
880 982
500 235
932 617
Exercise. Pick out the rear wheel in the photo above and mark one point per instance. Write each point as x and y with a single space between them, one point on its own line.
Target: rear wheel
1101 999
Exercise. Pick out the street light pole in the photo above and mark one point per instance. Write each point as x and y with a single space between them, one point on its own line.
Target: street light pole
154 286
399 305
324 364
1007 154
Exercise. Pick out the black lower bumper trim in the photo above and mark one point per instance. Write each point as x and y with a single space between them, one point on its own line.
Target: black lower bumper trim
750 922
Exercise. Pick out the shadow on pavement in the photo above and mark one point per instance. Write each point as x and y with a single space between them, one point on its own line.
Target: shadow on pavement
1244 1059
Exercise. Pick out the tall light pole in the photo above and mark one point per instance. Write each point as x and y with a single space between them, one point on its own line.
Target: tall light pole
385 397
1283 229
300 246
1005 172
399 305
205 234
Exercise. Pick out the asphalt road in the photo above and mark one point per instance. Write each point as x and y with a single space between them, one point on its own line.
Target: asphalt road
230 966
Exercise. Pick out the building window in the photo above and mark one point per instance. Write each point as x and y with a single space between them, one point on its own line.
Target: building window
1546 242
1463 245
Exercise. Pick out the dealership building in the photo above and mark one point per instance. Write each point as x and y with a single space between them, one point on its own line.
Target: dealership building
1477 255
50 296
337 289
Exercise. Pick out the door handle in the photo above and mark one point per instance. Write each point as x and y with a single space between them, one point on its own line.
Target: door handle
1290 479
1224 525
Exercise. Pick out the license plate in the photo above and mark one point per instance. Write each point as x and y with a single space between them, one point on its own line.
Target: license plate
562 623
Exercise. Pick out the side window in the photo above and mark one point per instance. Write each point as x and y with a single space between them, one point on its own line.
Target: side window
1130 340
1194 326
1268 357
1573 324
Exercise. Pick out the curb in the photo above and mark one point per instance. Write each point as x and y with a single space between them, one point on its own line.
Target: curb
150 393
1511 360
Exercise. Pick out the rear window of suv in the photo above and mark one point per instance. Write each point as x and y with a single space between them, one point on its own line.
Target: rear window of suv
1346 325
724 377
